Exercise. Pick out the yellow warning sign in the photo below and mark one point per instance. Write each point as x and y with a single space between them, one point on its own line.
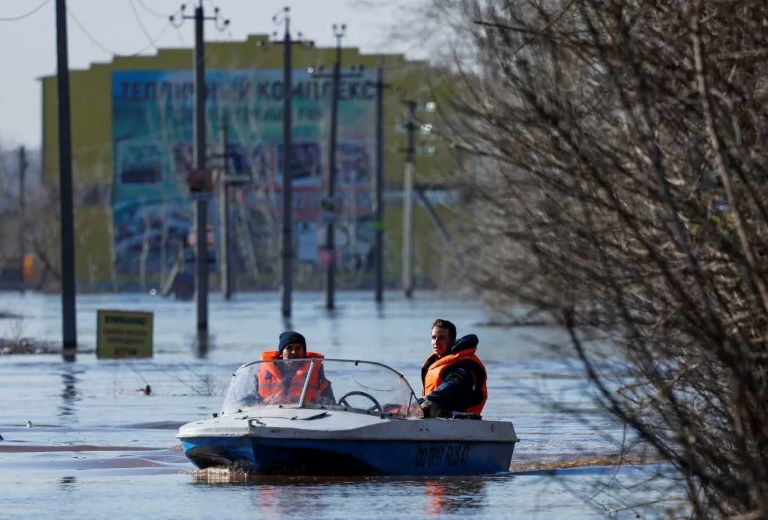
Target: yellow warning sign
123 334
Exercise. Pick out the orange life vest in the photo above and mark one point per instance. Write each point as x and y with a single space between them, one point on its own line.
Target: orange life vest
435 372
274 388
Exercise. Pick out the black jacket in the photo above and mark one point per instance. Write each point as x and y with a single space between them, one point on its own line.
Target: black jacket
462 381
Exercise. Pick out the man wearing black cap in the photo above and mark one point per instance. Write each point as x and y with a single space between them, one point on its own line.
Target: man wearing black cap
292 345
282 382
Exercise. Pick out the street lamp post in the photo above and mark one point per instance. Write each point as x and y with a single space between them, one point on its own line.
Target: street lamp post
408 186
330 239
287 239
408 202
379 199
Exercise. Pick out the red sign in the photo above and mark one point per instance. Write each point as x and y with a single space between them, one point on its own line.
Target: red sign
326 257
200 183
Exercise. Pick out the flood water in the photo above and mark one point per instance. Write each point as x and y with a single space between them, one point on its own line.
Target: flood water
84 440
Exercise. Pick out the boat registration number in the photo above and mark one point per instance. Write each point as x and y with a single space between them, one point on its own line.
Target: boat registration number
431 456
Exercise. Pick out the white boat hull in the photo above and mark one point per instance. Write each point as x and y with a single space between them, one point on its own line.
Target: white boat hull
311 441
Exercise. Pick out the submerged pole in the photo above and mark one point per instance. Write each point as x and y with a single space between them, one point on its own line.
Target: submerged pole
224 270
287 243
330 226
408 203
68 304
379 200
201 205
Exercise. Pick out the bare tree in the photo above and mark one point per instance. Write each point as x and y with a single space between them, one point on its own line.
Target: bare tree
619 183
24 218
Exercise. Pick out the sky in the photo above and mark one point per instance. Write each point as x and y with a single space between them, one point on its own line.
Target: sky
99 29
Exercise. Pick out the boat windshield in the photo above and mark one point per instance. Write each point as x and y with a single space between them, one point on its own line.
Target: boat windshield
357 386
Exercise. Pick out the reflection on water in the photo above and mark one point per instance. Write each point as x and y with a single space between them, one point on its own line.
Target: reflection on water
67 483
454 495
278 496
279 501
203 343
69 394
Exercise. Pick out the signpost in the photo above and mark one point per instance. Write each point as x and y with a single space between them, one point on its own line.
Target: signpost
123 334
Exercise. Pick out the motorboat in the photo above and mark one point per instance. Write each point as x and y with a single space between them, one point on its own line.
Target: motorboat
371 424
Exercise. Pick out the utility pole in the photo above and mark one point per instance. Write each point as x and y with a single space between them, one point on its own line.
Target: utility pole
22 210
379 200
201 204
330 238
68 304
408 202
226 288
287 243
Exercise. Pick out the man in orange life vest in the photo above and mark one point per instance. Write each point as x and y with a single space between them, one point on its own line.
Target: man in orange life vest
453 378
282 382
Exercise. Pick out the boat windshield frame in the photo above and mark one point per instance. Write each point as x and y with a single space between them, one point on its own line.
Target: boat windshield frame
236 404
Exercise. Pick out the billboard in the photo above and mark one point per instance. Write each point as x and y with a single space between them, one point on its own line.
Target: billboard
152 129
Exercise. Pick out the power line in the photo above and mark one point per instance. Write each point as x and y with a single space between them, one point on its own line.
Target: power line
25 15
151 11
181 36
106 49
141 24
159 15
